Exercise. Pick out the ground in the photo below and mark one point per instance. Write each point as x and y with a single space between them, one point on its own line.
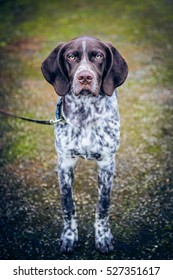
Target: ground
141 214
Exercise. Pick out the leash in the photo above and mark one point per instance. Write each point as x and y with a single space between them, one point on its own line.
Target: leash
58 119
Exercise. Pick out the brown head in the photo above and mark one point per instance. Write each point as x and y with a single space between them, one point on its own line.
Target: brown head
85 65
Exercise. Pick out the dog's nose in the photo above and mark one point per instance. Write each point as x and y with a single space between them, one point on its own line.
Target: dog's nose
85 77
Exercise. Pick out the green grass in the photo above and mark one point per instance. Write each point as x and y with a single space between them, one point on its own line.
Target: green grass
42 24
142 32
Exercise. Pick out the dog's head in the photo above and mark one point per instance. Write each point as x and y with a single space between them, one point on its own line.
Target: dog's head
85 65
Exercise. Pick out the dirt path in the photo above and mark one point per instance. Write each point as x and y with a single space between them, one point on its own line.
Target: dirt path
141 212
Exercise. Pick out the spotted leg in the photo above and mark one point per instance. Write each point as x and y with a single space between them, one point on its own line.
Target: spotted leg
103 235
69 235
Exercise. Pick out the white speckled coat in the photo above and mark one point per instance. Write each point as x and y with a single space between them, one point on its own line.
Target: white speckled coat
92 128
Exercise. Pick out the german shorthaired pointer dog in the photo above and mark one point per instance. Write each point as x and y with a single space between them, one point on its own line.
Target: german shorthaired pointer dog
85 72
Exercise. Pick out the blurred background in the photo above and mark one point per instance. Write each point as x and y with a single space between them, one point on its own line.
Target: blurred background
141 213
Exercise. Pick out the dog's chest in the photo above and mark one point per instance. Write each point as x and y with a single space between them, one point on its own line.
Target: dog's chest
89 133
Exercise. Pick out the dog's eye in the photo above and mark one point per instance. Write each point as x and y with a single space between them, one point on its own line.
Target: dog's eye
98 56
71 56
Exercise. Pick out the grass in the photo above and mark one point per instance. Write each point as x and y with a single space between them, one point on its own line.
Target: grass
40 25
142 33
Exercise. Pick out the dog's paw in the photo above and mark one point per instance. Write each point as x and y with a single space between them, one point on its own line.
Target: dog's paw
104 242
68 241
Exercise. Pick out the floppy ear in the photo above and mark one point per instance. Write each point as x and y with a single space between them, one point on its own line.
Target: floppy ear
54 71
117 71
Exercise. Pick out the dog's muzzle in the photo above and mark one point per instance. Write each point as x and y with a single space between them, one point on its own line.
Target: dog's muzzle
85 83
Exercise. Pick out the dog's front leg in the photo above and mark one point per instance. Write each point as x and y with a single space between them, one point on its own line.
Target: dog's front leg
103 236
69 235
